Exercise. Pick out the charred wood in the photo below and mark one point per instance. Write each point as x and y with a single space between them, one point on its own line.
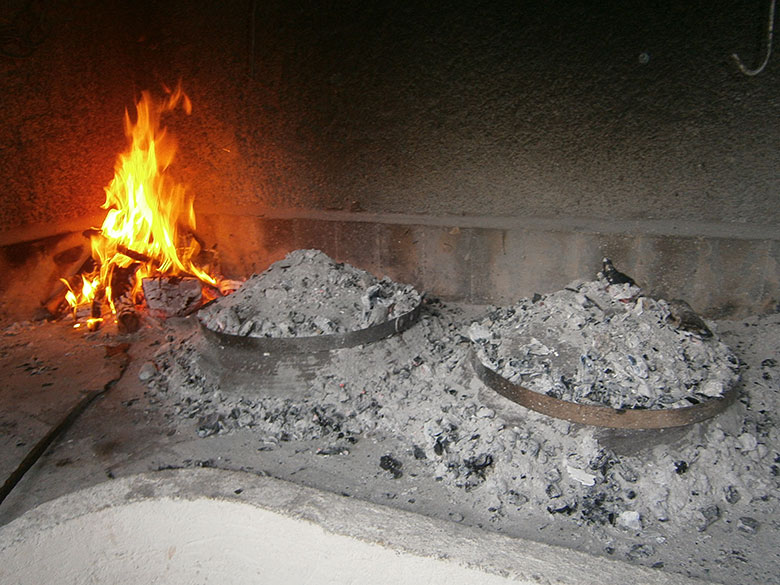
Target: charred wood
127 319
171 297
96 311
122 280
54 303
682 316
132 254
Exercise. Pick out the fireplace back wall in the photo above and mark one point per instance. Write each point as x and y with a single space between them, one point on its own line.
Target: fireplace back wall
483 151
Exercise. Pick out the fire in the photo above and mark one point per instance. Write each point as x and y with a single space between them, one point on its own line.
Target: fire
147 229
88 290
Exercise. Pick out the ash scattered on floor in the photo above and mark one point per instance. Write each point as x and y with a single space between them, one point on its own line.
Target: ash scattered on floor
418 390
700 501
308 294
416 400
606 344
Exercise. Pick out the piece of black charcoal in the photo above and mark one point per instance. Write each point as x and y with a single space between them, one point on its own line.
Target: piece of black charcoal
710 515
419 453
682 316
553 491
477 465
333 450
612 275
732 495
748 525
568 508
391 464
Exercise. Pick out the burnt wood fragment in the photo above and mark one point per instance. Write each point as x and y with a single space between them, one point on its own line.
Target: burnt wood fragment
613 275
127 319
132 254
55 301
682 316
172 296
96 310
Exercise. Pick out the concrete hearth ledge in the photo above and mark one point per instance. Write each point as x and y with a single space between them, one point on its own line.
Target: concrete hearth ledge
207 525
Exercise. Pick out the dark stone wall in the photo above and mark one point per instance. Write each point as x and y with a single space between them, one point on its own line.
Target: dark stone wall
619 109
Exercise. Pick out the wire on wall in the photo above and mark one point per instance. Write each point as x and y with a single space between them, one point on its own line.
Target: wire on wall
769 33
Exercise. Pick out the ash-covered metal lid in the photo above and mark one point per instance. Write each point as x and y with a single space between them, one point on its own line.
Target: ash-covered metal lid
604 353
309 302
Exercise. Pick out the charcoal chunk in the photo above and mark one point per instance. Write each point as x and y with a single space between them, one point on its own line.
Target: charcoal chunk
748 525
477 465
391 464
710 515
732 495
418 452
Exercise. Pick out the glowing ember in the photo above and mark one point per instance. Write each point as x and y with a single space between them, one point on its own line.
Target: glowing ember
147 230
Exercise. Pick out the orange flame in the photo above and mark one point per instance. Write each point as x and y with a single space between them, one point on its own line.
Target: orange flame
149 215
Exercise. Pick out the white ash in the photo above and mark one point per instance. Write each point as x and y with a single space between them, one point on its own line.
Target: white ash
417 392
601 344
308 294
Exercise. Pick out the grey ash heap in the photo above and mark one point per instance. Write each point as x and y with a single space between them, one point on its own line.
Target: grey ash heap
308 294
409 411
604 343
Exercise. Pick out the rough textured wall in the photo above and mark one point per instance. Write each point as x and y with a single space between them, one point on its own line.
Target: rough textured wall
619 109
59 73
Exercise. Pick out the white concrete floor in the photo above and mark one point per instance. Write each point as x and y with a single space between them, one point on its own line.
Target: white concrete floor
202 526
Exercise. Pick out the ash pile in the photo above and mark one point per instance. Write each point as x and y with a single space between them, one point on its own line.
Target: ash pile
308 294
607 344
415 398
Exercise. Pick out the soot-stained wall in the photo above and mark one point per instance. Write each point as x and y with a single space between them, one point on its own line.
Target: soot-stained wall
625 110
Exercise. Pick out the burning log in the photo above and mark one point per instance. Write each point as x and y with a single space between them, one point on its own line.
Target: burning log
127 319
122 281
96 311
137 256
56 299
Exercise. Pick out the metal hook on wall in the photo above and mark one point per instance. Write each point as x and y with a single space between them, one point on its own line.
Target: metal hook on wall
769 33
